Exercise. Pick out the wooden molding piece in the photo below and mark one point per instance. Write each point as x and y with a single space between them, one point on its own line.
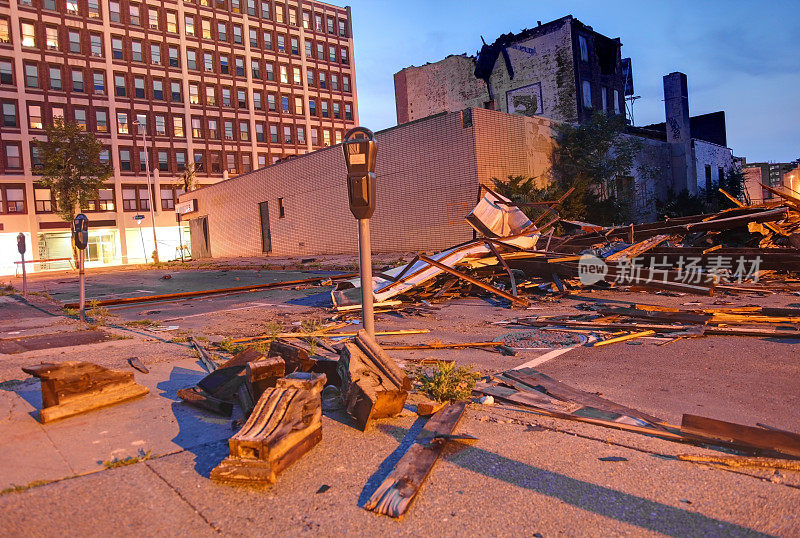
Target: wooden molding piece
284 425
394 495
71 388
297 358
371 385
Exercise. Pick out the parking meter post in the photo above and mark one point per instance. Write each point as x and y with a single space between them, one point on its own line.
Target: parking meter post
22 248
360 151
80 234
365 272
82 278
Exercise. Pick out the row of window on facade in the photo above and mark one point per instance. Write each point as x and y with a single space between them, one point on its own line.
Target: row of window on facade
586 90
202 127
157 86
136 49
136 14
174 161
134 198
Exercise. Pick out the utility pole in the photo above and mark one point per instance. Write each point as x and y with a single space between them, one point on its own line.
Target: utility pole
151 192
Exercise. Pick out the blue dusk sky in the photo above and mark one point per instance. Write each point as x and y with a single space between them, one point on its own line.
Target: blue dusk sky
742 57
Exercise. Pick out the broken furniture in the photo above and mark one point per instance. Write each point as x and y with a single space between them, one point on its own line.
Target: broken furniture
284 425
71 388
373 386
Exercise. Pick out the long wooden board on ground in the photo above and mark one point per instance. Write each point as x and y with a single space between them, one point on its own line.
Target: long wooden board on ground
394 495
777 440
284 425
372 385
71 388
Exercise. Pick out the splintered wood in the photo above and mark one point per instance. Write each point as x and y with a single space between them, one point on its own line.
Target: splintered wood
284 425
373 386
71 388
394 495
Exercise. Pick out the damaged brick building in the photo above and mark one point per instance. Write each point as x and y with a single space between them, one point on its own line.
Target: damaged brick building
562 70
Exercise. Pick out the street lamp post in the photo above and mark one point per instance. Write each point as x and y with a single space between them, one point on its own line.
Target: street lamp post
360 151
151 191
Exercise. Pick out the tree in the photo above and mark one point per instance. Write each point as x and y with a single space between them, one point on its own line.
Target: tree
71 166
592 158
189 178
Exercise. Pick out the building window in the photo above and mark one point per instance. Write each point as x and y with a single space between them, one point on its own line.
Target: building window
51 38
32 76
709 185
324 108
584 46
281 43
125 163
136 51
155 54
287 134
158 89
285 104
271 102
172 22
330 25
269 71
244 131
14 197
205 28
342 28
298 105
268 40
326 137
101 120
180 160
301 135
122 122
174 61
348 112
6 73
296 76
222 31
308 49
96 45
211 99
312 107
94 9
257 100
80 118
74 42
167 198
273 134
332 53
223 64
239 62
256 69
604 98
345 59
587 94
175 90
334 82
163 161
161 125
323 80
197 128
253 35
138 87
208 62
237 34
10 114
194 94
114 11
43 199
231 162
295 46
188 24
199 161
28 34
226 97
116 48
259 132
279 12
241 98
13 160
57 112
346 83
228 127
5 31
213 129
616 102
34 117
77 81
119 85
177 126
134 13
336 113
310 77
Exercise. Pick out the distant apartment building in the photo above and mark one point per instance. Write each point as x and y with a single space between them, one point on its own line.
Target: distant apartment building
562 70
228 85
784 177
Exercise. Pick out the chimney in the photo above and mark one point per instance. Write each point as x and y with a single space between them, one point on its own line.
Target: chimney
676 105
679 136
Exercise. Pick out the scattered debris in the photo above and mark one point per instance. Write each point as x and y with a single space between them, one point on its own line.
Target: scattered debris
71 388
138 365
284 425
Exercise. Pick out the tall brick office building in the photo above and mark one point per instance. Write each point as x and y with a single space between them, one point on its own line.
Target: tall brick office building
229 85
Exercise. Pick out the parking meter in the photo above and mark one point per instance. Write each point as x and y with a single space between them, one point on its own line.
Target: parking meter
360 150
80 231
21 243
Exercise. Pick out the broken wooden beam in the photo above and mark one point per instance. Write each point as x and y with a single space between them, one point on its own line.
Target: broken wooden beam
201 293
394 495
520 300
284 425
624 338
71 388
372 385
325 334
205 357
776 440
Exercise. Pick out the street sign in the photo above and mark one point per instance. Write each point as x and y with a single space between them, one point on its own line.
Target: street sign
138 218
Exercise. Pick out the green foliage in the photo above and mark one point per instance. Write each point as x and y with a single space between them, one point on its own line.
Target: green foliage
71 312
98 314
141 323
19 489
446 381
591 157
71 166
228 346
684 204
189 178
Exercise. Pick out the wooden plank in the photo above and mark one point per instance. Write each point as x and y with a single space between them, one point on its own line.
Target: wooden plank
729 331
624 338
543 383
205 357
325 334
637 248
475 281
740 461
200 293
779 441
394 495
505 266
451 345
104 397
382 360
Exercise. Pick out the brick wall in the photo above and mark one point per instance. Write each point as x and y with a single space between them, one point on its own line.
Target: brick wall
426 184
511 145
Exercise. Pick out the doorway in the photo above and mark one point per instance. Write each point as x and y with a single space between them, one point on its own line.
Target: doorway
266 236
